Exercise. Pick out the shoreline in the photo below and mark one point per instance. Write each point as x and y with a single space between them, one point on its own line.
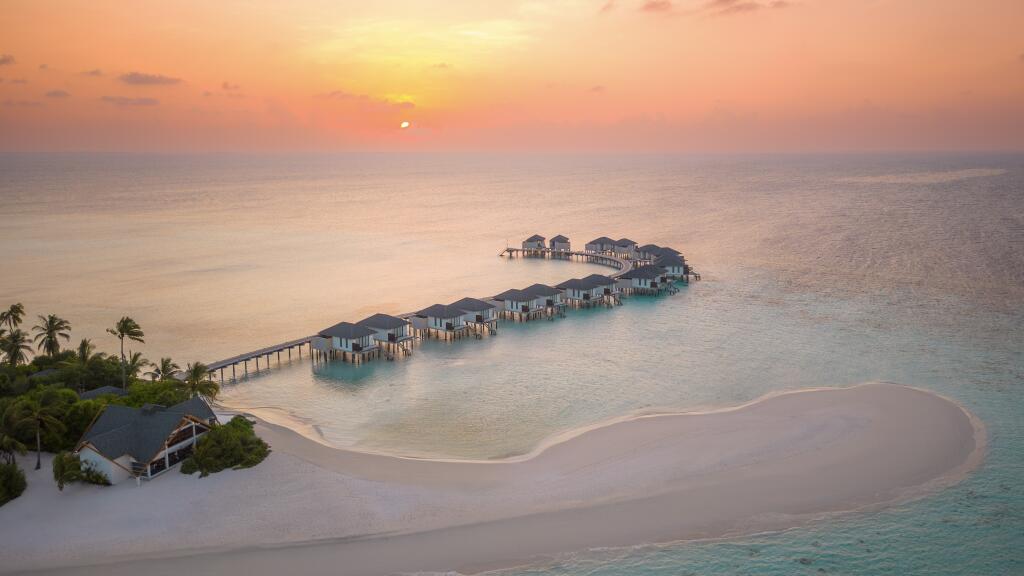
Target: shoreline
746 469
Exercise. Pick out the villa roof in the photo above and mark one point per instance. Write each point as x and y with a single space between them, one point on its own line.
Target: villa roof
515 296
648 272
602 240
441 311
625 242
101 391
650 248
666 250
44 373
535 238
471 305
346 330
542 290
599 280
140 432
670 259
559 238
575 284
383 322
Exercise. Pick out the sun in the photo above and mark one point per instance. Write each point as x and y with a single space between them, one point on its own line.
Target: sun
405 124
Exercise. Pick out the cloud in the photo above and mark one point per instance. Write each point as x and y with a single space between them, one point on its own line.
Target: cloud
365 99
599 89
44 67
141 79
607 6
23 103
656 6
6 59
93 72
57 94
19 81
727 7
1021 57
229 87
126 102
441 66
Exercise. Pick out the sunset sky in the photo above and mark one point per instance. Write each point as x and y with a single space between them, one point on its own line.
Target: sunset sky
564 75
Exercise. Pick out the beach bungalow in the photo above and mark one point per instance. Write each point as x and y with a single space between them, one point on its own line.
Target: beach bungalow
351 342
599 245
647 279
142 443
478 315
518 305
392 333
603 286
559 244
675 266
443 322
535 242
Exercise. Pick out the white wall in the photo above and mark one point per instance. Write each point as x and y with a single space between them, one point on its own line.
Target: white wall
113 472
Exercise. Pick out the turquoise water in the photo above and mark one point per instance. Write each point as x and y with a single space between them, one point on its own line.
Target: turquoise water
824 271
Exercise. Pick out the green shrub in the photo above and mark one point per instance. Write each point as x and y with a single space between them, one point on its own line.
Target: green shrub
12 482
233 445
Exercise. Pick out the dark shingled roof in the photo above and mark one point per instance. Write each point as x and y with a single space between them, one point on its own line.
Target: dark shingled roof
383 322
101 391
140 432
471 305
650 248
441 311
346 330
670 260
599 280
625 242
559 238
535 238
515 296
602 240
644 272
575 284
541 290
44 373
665 250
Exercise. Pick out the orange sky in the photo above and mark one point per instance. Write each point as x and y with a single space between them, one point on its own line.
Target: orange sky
568 75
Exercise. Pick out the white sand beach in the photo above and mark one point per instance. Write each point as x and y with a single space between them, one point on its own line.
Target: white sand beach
776 463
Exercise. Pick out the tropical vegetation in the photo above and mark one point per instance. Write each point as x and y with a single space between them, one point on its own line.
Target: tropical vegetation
233 445
40 407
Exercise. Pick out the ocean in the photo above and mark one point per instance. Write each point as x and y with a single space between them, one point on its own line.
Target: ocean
817 271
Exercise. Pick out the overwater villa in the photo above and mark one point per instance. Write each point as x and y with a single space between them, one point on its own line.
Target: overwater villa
625 247
535 242
347 341
559 244
518 305
648 252
675 266
647 279
442 322
393 334
605 286
142 443
600 245
479 316
549 299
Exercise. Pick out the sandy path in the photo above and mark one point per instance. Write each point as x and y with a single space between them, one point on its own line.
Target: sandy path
772 464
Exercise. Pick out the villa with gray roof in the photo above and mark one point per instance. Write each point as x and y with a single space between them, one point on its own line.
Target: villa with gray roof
559 244
599 245
535 242
647 279
125 442
478 315
673 264
392 332
442 321
518 305
348 341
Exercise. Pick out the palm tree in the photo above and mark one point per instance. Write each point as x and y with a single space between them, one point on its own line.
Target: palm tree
126 328
198 383
165 370
67 469
9 444
49 332
30 415
83 355
13 315
15 345
135 364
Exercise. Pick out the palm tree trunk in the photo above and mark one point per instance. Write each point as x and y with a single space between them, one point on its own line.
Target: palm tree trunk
39 448
124 376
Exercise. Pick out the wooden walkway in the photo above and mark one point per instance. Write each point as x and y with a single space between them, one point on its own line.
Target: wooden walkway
620 264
